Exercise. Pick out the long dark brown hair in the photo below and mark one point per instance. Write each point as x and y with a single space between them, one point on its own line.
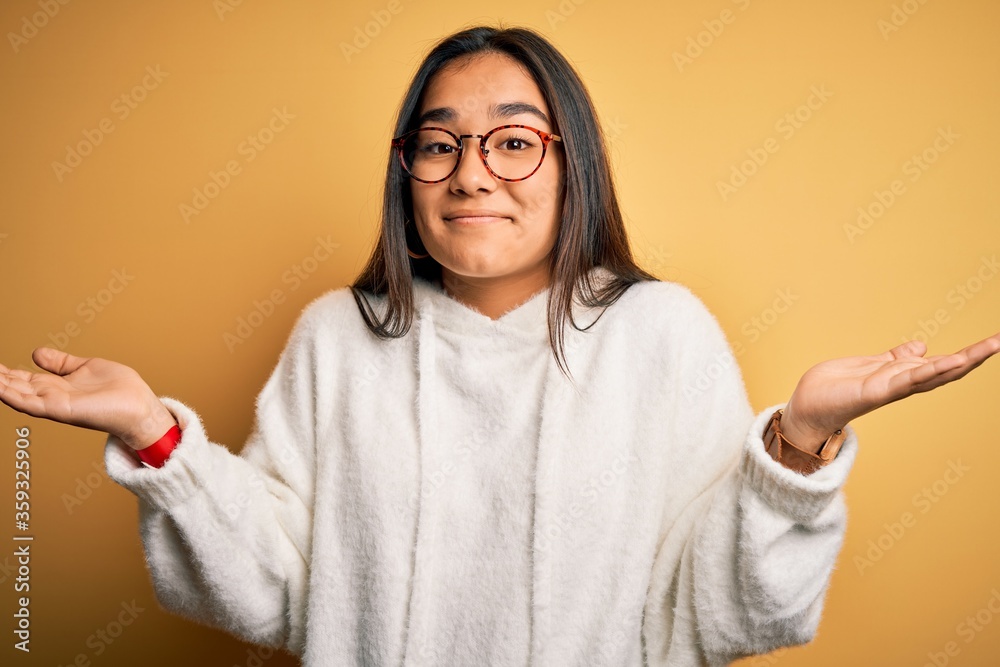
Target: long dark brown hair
591 230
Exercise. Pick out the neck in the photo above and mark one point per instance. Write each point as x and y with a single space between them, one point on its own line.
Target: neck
494 296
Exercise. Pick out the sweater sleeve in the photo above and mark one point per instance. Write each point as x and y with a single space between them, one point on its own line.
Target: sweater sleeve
764 539
763 554
226 536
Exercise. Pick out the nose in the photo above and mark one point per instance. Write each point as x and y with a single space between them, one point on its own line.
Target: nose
471 174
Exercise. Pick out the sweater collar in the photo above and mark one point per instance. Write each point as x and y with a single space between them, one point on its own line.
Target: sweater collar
529 319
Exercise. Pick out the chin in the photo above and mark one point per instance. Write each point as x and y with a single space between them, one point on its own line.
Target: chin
475 271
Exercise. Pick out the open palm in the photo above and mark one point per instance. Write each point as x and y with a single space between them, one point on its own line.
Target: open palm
92 392
834 392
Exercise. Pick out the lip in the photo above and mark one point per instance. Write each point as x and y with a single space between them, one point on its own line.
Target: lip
475 216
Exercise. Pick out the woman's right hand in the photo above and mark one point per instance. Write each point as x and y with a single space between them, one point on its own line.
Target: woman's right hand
90 392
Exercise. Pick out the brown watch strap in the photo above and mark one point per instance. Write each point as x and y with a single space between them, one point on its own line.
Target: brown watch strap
785 452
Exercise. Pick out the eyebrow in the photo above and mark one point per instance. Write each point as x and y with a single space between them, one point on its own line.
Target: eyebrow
496 111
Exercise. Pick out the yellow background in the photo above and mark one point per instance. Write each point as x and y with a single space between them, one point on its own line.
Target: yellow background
676 130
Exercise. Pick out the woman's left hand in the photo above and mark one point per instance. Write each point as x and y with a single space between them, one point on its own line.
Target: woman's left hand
834 392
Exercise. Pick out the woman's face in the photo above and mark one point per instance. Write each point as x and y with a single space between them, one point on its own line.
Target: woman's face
516 240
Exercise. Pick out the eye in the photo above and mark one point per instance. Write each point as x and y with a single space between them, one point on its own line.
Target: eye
436 148
514 143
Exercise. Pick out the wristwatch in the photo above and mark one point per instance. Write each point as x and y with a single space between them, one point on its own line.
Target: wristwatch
784 452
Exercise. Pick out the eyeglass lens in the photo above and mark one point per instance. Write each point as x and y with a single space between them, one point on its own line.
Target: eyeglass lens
513 153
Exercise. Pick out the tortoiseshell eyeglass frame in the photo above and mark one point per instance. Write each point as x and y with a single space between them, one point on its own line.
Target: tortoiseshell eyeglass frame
546 138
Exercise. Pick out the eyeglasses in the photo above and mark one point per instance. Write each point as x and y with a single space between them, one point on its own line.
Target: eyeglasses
510 152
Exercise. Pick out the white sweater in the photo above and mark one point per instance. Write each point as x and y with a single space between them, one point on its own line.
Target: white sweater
448 498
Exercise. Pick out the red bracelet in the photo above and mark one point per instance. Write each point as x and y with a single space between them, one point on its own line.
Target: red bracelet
158 452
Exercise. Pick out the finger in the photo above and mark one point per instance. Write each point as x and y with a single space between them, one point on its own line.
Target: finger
57 361
928 372
934 374
19 385
982 350
16 373
911 348
29 404
945 377
968 357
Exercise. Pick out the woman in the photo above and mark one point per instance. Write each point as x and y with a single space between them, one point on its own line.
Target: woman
442 472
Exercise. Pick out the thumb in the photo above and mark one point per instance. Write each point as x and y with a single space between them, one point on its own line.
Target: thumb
57 361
